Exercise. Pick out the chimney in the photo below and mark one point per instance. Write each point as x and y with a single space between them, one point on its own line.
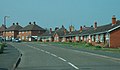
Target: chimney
13 23
17 23
95 25
50 30
64 31
84 26
113 20
80 28
30 23
34 23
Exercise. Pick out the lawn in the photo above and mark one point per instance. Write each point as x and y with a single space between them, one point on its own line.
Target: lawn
84 45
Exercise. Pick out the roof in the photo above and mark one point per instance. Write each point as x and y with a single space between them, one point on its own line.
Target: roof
3 27
32 27
14 27
77 32
102 29
48 33
61 32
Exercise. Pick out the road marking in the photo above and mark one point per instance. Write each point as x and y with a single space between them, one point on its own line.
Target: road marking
73 65
62 59
47 52
42 50
53 55
56 57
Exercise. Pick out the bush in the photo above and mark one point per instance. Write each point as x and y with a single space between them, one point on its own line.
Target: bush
4 44
88 44
98 46
1 48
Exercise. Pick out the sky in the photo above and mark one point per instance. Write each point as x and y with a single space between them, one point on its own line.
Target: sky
55 13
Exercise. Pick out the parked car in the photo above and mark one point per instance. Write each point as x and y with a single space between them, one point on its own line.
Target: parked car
16 40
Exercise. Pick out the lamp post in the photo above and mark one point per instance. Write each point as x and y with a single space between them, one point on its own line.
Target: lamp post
5 17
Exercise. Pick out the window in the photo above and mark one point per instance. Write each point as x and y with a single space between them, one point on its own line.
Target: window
92 38
19 32
107 36
77 38
101 38
96 38
22 37
12 31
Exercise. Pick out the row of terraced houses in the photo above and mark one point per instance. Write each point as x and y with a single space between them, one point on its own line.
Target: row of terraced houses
106 35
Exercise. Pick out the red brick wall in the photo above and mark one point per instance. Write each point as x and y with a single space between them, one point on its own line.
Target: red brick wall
115 38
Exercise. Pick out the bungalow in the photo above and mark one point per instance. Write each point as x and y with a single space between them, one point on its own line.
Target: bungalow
59 35
47 36
31 32
12 32
106 35
74 36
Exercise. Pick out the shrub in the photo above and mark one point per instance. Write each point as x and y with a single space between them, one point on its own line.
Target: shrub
98 47
88 44
4 44
1 48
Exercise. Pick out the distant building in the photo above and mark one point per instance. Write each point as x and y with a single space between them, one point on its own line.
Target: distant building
59 34
12 32
31 32
2 29
47 36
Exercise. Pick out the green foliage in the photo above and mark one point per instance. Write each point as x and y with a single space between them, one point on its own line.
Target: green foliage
98 47
1 48
88 45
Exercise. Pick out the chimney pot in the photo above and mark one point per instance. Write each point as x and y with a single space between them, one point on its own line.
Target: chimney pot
30 23
50 30
113 19
95 25
80 28
13 23
17 23
34 22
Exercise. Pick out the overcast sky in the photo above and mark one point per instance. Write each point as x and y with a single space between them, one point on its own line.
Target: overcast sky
52 13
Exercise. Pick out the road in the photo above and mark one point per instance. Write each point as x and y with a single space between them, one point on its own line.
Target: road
37 56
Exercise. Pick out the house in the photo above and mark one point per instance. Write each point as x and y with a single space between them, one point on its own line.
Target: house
59 34
106 35
2 29
74 36
12 32
31 32
47 36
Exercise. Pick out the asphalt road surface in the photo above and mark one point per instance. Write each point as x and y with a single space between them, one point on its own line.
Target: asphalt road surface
38 56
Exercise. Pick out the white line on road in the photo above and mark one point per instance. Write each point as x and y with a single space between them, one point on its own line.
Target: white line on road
47 52
73 65
42 50
53 55
62 59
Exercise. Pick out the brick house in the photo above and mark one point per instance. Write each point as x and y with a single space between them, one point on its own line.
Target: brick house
12 32
47 36
106 35
59 35
31 32
2 29
74 36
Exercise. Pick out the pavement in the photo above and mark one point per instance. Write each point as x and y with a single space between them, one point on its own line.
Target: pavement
37 56
9 58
